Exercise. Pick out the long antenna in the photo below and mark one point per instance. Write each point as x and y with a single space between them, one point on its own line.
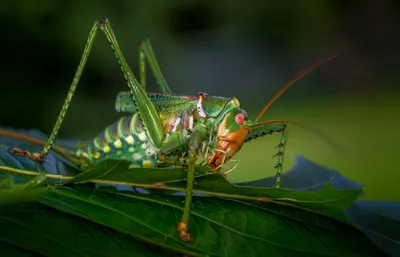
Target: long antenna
299 76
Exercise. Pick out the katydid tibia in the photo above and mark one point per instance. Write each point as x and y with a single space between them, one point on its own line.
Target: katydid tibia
164 128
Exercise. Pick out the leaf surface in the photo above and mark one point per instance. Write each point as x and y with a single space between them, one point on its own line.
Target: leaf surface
77 213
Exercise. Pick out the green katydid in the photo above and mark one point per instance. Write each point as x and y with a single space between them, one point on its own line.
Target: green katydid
166 129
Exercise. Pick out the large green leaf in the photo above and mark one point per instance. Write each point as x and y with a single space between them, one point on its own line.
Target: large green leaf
221 227
226 220
41 231
326 201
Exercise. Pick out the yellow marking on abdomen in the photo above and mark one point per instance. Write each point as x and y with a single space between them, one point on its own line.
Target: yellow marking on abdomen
106 149
118 144
142 136
130 140
148 164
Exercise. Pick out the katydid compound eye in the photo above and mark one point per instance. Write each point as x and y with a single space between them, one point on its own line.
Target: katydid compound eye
239 118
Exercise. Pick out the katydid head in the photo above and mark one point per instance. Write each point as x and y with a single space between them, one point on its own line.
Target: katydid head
231 135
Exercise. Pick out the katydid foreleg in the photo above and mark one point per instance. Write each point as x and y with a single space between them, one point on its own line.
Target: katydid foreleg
280 156
268 128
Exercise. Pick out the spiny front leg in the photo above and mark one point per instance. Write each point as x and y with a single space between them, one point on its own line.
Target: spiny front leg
280 157
268 128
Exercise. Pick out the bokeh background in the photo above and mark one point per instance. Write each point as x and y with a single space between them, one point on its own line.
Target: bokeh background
238 48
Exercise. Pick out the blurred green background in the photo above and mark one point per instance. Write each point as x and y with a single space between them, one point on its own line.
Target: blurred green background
238 48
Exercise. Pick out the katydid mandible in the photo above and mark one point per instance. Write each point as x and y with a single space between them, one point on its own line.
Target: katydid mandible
166 129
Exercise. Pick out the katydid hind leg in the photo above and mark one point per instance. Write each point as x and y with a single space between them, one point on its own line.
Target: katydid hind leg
147 110
142 68
148 113
146 53
64 109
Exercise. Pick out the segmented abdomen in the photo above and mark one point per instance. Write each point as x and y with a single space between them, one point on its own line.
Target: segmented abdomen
126 139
